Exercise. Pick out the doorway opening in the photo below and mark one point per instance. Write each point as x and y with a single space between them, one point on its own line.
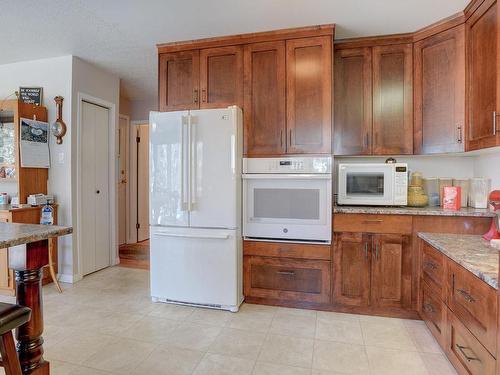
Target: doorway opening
135 252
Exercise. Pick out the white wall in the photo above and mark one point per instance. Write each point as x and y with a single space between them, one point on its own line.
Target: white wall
488 165
54 75
92 81
139 109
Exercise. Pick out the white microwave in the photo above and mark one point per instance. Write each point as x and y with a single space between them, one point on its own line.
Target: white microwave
373 184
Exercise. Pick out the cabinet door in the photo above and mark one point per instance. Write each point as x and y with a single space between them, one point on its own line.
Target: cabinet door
391 270
309 95
353 102
179 80
392 100
440 92
351 269
221 77
482 42
264 99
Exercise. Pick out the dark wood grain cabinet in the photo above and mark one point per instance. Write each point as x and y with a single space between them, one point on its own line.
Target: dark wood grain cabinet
353 102
482 77
439 92
179 81
372 270
309 95
374 100
264 99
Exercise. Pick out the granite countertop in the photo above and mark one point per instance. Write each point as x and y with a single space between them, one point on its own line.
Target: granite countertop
12 234
470 251
417 211
9 207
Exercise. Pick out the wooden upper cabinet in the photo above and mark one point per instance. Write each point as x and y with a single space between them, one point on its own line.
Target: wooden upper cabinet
264 99
353 101
393 99
179 80
309 95
391 270
439 95
351 269
483 82
221 77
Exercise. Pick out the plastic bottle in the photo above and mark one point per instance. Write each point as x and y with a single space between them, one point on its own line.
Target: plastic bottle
47 215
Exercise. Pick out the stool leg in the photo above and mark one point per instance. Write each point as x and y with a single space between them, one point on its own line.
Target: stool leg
10 360
51 266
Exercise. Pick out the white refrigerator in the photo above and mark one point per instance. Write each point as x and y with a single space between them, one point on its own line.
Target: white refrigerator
195 207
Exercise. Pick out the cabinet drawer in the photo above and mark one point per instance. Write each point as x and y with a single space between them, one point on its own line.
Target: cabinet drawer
287 250
433 312
465 351
387 224
473 302
287 279
433 268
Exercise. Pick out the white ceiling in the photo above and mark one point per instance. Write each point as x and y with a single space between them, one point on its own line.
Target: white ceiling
120 35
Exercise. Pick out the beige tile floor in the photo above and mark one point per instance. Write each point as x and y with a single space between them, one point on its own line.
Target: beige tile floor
107 324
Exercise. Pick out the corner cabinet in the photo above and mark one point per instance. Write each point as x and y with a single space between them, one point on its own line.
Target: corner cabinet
483 52
439 95
374 100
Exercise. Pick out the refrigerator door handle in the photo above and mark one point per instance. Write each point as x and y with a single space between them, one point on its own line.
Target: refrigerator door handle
233 154
202 236
184 186
192 164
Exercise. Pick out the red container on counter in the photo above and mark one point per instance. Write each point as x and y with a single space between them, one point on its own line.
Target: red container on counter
452 197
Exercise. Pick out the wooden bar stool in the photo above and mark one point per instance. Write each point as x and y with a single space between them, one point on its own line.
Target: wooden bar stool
11 317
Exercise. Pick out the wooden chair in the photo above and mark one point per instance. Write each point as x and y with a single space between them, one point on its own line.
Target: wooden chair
11 317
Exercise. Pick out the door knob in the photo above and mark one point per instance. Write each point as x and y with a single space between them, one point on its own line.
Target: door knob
97 191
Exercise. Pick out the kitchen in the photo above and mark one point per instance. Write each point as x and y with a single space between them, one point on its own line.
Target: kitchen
318 198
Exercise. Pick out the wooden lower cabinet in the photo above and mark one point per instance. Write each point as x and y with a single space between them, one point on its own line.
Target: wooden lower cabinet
433 312
287 279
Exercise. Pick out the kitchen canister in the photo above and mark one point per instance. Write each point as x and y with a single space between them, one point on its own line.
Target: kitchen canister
463 183
431 188
479 190
443 181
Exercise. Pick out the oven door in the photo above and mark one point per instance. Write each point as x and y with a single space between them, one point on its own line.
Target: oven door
366 184
287 207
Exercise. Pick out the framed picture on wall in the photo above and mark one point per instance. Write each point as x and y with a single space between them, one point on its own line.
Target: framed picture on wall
31 95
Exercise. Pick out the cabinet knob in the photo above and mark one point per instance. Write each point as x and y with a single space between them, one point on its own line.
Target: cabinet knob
97 191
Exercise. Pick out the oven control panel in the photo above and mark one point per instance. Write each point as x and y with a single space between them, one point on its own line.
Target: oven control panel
309 164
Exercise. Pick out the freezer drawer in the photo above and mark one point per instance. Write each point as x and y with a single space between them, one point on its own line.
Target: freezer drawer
197 266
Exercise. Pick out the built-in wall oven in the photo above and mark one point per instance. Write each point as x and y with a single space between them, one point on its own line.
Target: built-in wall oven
287 199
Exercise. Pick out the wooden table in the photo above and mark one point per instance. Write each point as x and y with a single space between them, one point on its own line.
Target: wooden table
28 262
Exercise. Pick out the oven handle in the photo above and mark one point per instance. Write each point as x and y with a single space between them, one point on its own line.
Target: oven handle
287 176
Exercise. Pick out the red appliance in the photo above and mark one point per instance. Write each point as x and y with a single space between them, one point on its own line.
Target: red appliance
494 232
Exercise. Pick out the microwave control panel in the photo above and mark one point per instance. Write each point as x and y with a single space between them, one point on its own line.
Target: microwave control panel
309 164
400 184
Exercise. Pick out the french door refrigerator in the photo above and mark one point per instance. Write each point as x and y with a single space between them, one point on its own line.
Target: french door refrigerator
195 207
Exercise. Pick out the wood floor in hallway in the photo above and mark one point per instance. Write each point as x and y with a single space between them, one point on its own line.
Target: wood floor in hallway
135 255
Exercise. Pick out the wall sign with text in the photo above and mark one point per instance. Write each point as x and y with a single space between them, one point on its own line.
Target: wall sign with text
31 95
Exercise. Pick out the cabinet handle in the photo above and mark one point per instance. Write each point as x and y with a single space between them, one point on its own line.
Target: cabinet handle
466 296
281 138
461 348
286 273
195 96
430 265
459 129
290 137
204 95
373 221
428 308
366 249
377 253
367 140
495 115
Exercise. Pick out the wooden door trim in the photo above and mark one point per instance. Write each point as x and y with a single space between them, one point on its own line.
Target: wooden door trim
220 51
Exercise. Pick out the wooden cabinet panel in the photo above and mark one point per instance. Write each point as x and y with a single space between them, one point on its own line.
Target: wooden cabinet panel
482 51
433 269
287 279
309 95
388 224
179 81
391 271
351 269
474 302
439 95
221 77
392 99
353 102
287 250
464 351
433 312
264 99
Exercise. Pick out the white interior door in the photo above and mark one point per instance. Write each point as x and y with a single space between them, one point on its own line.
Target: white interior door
143 183
123 179
95 214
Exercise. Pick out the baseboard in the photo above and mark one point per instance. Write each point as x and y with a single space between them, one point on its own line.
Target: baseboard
68 278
